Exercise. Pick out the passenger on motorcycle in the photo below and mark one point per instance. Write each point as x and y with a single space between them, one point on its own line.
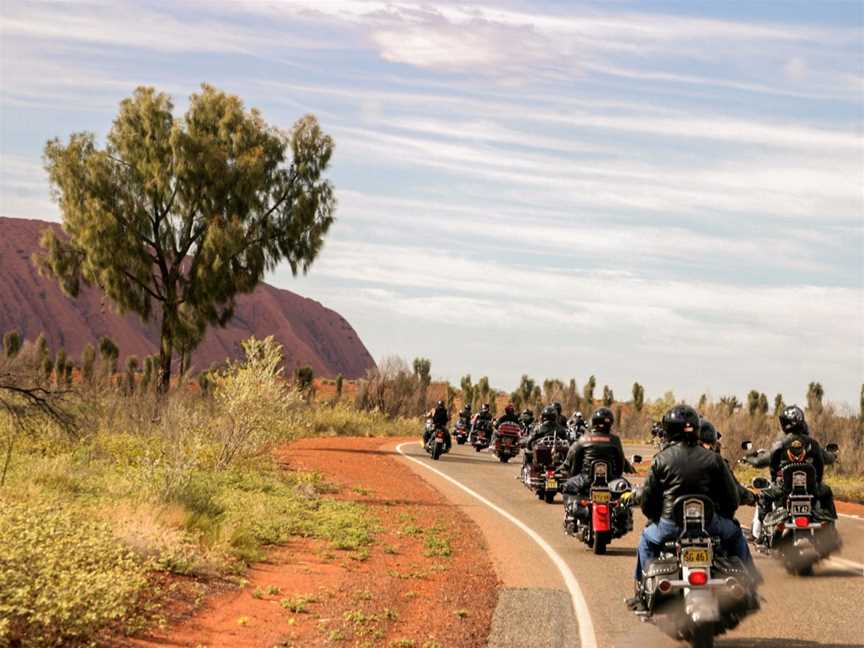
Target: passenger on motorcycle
562 420
548 426
686 468
600 443
440 418
797 446
465 415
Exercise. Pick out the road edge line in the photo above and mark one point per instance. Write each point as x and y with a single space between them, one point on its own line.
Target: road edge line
587 637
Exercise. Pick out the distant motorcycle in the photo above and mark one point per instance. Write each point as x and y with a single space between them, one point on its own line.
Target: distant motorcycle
507 441
693 591
602 516
543 474
481 434
460 432
437 442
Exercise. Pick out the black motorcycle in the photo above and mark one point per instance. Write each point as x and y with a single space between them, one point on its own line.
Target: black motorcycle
693 591
481 434
543 473
460 432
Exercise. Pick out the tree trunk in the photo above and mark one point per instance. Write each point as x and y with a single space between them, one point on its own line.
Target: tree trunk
166 351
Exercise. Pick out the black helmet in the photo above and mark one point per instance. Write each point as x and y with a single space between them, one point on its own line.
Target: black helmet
557 406
527 412
549 413
708 434
602 419
681 422
578 416
484 407
510 409
792 420
440 403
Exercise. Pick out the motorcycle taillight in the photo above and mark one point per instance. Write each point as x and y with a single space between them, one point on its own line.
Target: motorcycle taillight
802 522
697 578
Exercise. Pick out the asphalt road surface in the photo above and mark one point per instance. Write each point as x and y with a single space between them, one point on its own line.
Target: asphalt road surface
555 592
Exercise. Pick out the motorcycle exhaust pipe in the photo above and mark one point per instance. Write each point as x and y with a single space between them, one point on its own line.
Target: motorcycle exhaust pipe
735 588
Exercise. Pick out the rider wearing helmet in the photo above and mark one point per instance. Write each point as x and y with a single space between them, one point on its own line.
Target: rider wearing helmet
600 443
562 420
527 419
797 446
440 418
577 424
548 426
508 415
684 467
465 415
483 417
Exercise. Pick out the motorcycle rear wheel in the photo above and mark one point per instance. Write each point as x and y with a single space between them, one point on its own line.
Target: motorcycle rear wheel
600 541
436 451
549 496
703 637
541 494
504 458
460 440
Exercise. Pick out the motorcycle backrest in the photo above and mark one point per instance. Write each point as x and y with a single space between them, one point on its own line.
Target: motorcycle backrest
600 471
693 513
508 427
799 478
543 454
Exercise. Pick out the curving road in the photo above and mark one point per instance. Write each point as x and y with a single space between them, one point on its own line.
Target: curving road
553 585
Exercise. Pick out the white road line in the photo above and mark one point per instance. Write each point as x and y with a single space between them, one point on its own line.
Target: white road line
587 638
851 517
848 564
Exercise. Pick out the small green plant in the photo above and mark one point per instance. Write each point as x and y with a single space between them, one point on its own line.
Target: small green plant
402 643
298 604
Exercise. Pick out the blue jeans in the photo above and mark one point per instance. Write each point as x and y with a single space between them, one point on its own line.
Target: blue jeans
654 535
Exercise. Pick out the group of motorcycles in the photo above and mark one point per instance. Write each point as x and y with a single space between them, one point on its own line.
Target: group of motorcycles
693 591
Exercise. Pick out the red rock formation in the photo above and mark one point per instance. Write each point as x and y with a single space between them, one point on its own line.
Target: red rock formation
309 333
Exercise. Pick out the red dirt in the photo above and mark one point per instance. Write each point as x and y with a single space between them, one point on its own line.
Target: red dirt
850 508
395 597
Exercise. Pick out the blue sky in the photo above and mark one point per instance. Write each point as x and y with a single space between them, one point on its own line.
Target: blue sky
668 192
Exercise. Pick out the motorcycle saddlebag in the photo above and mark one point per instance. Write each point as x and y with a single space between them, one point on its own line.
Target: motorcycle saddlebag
661 567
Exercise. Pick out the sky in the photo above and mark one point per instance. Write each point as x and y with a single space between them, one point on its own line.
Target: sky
662 192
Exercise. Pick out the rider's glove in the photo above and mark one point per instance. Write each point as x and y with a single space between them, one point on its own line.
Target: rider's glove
626 495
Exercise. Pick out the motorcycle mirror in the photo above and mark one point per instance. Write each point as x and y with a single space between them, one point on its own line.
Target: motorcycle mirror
832 447
637 459
760 482
746 445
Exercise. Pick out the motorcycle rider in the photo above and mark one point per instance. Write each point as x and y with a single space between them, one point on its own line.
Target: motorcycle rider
440 418
562 420
465 415
577 424
548 426
600 443
526 419
508 415
797 446
684 467
484 415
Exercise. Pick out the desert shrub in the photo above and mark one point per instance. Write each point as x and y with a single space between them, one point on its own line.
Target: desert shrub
65 577
393 388
253 401
346 420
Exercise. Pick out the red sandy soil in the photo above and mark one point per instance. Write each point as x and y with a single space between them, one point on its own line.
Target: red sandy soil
395 597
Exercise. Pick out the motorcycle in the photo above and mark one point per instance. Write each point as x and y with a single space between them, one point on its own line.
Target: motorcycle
602 516
460 432
797 531
543 474
692 591
481 434
437 443
507 441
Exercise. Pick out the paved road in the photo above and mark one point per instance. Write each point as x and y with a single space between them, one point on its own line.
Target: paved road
826 610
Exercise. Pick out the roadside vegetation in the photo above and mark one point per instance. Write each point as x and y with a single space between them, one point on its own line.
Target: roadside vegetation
186 483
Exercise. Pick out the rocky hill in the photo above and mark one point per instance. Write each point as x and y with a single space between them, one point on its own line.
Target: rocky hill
309 332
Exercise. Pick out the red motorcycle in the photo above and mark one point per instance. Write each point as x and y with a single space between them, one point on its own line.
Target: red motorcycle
507 441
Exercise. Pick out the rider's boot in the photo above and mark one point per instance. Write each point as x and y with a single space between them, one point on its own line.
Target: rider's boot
636 603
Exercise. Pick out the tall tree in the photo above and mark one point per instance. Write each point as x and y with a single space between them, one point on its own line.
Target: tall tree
779 405
814 397
109 353
763 404
608 396
588 391
638 396
752 402
177 215
88 362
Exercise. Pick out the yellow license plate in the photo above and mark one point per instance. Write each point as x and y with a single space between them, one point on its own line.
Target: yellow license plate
551 483
692 556
600 497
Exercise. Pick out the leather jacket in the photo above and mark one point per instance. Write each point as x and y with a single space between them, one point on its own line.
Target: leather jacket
684 469
546 428
591 447
786 449
513 418
440 417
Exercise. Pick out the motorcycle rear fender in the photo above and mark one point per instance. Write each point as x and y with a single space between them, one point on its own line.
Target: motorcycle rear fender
600 517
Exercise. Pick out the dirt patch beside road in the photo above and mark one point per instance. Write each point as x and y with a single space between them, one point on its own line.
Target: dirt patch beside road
426 582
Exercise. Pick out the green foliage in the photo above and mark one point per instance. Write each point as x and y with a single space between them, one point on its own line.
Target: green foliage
703 401
64 576
467 390
41 346
779 405
752 402
177 215
762 406
11 343
304 380
60 364
339 381
109 353
393 389
638 396
423 369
